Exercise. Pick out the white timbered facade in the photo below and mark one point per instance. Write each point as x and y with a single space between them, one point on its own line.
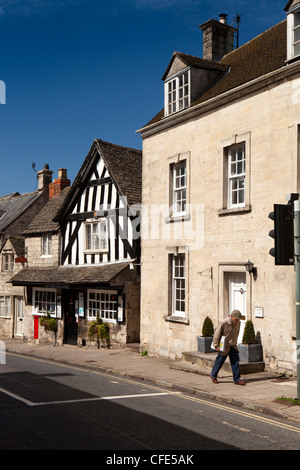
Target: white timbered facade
99 229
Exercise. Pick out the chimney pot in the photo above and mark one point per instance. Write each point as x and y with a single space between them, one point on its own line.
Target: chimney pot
223 18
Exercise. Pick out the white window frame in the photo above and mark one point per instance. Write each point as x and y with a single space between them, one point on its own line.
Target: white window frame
46 244
178 285
179 188
8 262
296 32
96 236
45 303
236 176
292 29
178 92
101 302
5 306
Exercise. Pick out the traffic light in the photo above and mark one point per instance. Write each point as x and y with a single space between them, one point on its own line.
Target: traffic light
283 234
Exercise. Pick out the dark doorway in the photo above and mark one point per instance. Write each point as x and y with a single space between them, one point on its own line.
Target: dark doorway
70 317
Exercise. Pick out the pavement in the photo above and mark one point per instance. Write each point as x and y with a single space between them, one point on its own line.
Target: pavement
260 394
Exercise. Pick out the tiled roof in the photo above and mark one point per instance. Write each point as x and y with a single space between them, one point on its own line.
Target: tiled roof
198 62
43 222
124 165
76 275
262 55
18 244
14 205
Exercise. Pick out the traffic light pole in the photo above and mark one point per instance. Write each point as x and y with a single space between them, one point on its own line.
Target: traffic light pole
297 275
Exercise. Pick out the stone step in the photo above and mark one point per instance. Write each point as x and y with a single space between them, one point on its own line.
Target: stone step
134 347
205 361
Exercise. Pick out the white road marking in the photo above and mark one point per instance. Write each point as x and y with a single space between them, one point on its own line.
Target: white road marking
61 402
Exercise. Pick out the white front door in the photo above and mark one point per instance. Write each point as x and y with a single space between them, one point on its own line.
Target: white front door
19 316
238 298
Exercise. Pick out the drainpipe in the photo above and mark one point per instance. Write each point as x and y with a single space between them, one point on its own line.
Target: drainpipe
297 279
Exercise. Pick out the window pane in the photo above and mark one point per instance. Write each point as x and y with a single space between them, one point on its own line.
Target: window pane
297 49
296 19
297 34
178 285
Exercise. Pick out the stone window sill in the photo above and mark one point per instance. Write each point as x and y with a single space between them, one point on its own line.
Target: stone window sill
175 319
234 210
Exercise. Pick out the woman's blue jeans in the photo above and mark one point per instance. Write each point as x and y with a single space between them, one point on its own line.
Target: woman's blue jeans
234 362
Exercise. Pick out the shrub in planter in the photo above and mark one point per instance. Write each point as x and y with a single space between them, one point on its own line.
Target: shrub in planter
99 331
50 324
250 350
249 333
204 341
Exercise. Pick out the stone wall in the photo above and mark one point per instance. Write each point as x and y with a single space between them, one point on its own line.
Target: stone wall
268 122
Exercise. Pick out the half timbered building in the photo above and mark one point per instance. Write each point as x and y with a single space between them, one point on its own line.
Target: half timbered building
97 268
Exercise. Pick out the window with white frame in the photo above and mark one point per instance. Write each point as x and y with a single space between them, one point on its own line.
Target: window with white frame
44 302
293 34
47 244
236 176
179 188
96 236
5 306
178 285
296 34
8 261
103 304
177 93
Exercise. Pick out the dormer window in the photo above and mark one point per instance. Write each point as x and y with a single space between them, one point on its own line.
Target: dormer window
296 34
293 34
177 93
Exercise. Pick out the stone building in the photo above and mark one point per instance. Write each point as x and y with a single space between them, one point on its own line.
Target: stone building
221 152
16 212
83 251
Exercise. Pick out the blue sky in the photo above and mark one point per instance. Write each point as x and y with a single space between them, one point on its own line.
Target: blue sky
76 70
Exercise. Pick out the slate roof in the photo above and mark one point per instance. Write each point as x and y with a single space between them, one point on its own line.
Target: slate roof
18 244
263 54
14 205
198 62
75 276
291 4
124 165
44 222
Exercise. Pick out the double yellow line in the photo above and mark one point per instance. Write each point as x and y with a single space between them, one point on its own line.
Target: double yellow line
237 411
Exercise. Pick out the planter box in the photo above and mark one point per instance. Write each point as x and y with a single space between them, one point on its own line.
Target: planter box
250 352
204 344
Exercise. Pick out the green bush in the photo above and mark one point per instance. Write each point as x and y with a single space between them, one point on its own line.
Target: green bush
208 327
99 330
249 333
50 324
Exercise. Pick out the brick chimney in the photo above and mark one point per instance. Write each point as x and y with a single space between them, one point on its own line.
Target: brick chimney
44 178
59 184
218 38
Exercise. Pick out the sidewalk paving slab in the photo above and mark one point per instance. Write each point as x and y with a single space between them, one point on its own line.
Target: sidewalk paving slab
260 394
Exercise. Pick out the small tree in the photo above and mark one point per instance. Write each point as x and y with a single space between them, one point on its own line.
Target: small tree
249 333
208 327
